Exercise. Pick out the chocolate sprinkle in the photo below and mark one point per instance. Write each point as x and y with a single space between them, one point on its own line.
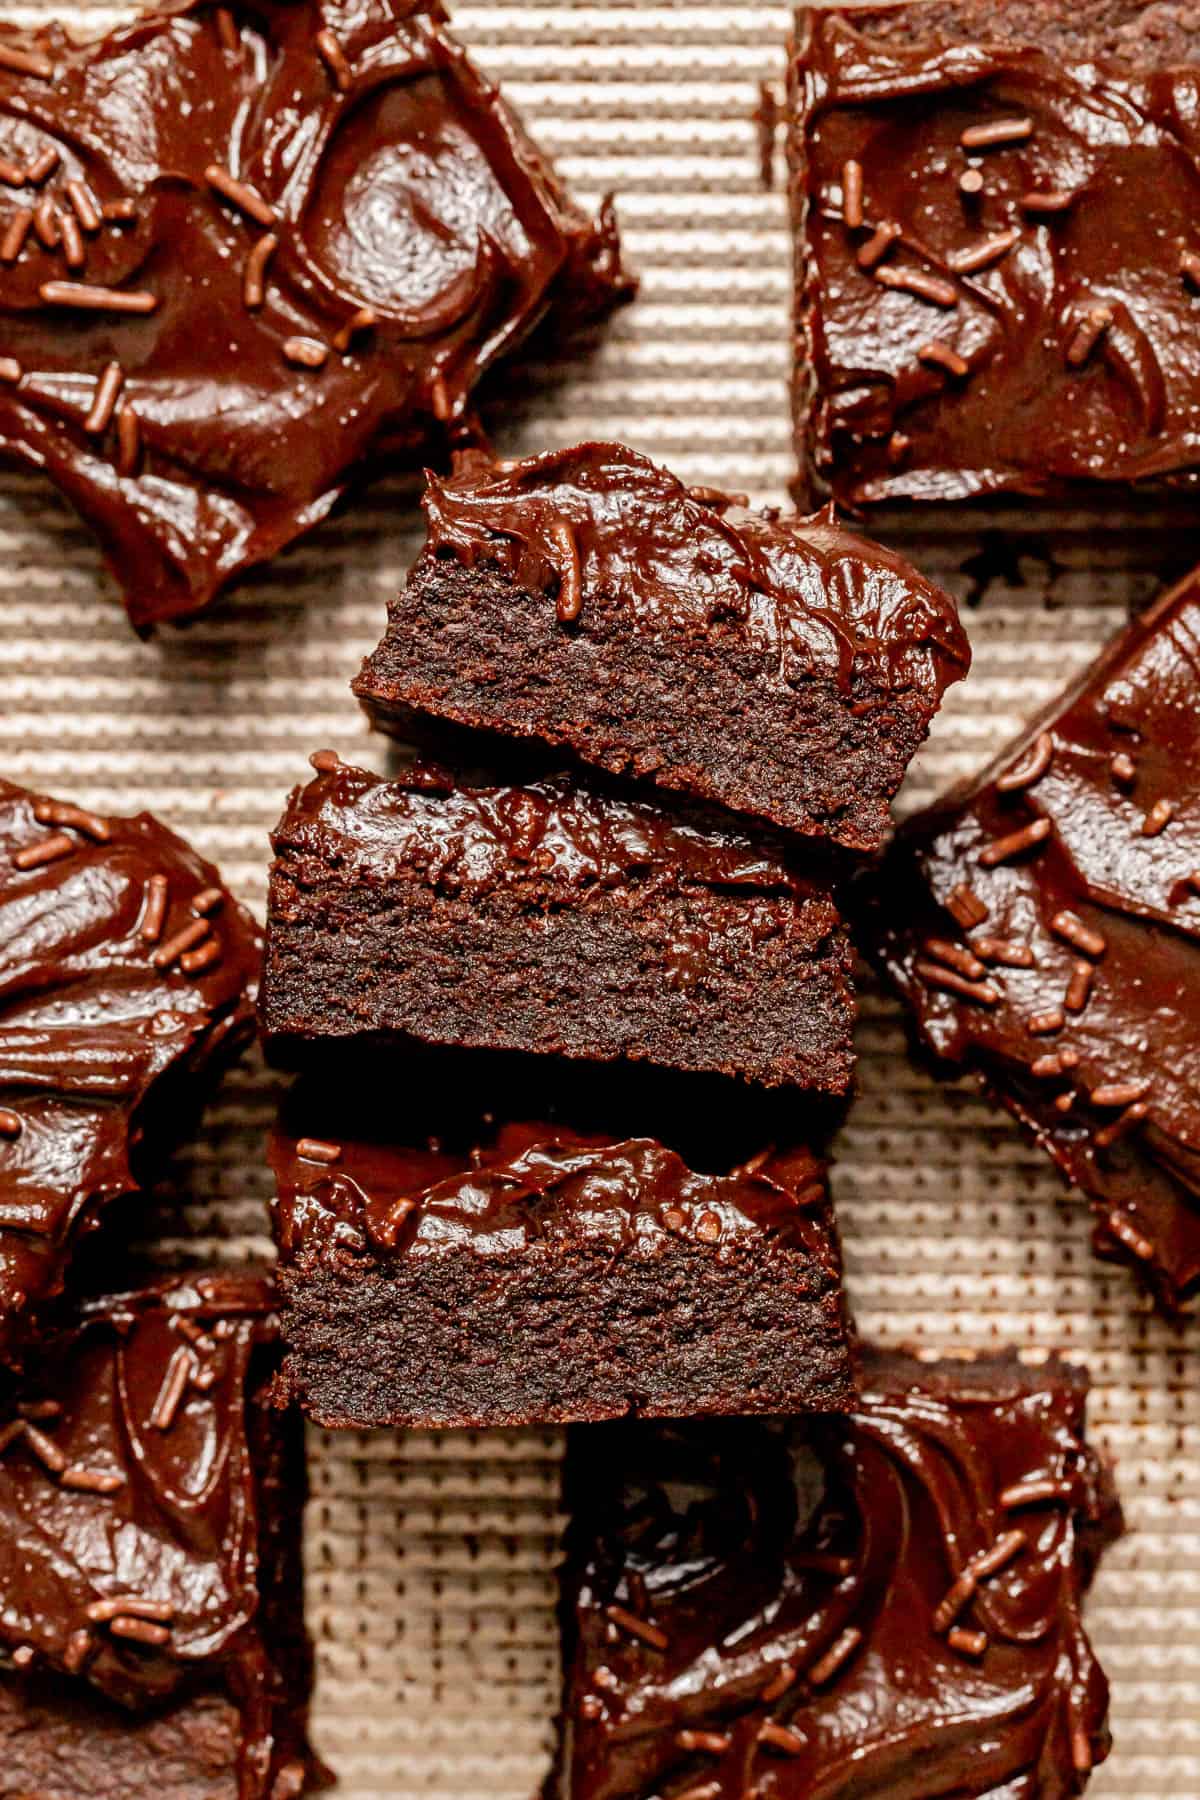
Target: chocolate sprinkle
1123 767
970 1643
97 299
852 194
171 1393
10 369
1159 816
933 288
1132 1238
362 320
955 957
334 58
780 1738
838 1653
91 1481
73 247
935 976
317 1150
1044 1024
1028 773
716 1743
570 591
104 404
253 282
970 183
155 915
941 356
1071 928
16 232
1189 266
638 1628
1079 987
184 939
46 223
129 441
1003 849
1032 1493
305 351
873 251
1087 334
984 254
996 133
140 1631
25 62
965 907
1120 1093
10 1123
84 203
1047 202
46 850
42 166
240 194
1001 950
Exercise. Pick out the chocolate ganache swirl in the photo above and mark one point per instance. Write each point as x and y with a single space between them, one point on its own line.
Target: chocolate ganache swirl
126 971
131 1471
1000 267
886 1609
248 248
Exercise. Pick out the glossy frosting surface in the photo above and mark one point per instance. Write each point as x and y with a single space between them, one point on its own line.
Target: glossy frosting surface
507 1185
809 594
552 833
130 1533
1090 1035
334 225
1091 210
754 1607
93 1028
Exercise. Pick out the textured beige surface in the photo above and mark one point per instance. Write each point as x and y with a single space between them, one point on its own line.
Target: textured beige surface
429 1559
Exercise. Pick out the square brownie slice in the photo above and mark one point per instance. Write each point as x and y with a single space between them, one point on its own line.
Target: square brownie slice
888 1605
587 600
554 918
998 266
254 251
1042 922
128 975
477 1242
150 1512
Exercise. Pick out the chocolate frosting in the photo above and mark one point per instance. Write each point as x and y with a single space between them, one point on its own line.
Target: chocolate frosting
1069 296
552 834
765 1607
505 1184
104 1023
1083 1019
329 225
602 519
130 1536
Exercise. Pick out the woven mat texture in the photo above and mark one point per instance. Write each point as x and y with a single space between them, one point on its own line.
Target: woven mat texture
430 1559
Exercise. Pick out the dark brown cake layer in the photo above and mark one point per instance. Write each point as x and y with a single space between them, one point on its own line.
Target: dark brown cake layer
550 918
1042 922
447 1261
586 600
885 1606
998 270
251 251
152 1639
127 978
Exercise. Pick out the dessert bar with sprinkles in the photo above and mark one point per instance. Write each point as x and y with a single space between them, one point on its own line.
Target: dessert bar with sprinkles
479 1242
249 252
552 918
150 1507
1042 921
887 1604
997 254
586 600
128 975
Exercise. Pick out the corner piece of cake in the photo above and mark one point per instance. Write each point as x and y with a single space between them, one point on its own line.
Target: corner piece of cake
152 1643
997 249
128 975
586 600
1043 924
484 1242
885 1605
553 918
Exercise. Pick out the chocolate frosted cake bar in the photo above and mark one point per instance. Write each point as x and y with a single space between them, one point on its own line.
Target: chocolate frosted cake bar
888 1606
587 600
1042 922
550 918
251 251
127 979
998 256
152 1639
476 1242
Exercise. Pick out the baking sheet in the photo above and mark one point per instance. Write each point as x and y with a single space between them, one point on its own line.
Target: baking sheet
430 1558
